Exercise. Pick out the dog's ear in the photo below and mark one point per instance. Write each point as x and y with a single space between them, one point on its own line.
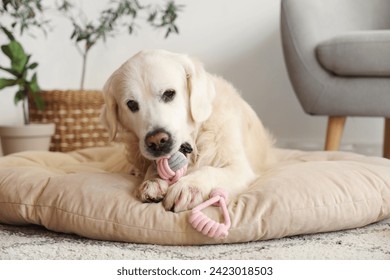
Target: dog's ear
201 89
109 114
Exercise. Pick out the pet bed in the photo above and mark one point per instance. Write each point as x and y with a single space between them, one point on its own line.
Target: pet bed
90 193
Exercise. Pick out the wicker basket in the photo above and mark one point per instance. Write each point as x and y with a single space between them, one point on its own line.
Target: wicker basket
76 115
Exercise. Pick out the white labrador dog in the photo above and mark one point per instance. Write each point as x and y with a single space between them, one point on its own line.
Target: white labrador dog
163 102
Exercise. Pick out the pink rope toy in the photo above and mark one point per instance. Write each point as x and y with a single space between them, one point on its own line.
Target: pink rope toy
171 169
204 224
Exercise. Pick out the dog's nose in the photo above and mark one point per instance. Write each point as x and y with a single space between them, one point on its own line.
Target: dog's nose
158 142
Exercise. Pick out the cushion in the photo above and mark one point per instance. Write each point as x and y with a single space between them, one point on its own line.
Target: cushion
363 53
90 193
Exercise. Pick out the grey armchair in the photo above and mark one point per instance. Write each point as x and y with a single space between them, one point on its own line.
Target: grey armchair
337 54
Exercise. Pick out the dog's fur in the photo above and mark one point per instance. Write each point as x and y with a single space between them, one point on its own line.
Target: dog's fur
230 145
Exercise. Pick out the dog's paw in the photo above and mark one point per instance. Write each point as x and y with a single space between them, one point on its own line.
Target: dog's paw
152 190
182 196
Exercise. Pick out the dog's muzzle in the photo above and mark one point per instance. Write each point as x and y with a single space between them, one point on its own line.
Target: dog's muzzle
158 142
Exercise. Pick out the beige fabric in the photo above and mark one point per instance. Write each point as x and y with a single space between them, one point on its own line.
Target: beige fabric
89 193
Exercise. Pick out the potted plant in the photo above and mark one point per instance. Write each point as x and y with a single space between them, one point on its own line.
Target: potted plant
81 127
21 75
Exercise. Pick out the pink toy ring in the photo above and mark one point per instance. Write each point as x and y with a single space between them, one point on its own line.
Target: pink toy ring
204 224
166 173
218 197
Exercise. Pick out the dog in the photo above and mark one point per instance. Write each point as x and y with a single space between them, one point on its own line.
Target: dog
162 102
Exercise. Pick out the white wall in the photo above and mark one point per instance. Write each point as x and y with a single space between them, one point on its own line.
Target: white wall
239 40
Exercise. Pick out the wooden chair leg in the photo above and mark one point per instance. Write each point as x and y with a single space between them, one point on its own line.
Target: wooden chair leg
334 132
386 140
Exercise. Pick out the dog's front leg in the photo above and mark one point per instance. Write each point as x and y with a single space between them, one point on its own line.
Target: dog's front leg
153 188
194 188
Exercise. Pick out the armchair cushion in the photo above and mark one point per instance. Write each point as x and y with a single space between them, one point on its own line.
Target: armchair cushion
363 53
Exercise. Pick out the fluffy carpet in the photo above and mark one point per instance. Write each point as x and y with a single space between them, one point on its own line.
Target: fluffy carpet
33 242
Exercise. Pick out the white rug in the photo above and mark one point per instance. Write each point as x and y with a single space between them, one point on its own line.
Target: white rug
28 243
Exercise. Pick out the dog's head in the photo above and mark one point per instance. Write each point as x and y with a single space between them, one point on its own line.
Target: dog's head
159 97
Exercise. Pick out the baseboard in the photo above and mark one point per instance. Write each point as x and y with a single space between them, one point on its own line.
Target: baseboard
365 148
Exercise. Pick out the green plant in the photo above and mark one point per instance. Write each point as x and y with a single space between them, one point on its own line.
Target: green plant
22 16
19 70
120 14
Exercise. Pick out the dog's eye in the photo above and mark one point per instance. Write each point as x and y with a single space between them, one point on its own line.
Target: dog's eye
133 105
168 95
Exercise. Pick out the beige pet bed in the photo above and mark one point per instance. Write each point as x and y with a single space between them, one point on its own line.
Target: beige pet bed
90 193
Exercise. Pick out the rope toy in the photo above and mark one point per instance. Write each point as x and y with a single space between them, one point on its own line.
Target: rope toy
171 169
204 224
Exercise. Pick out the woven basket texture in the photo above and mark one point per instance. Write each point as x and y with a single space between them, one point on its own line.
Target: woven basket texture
76 114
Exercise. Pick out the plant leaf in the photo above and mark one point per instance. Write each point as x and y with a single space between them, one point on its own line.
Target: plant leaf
13 72
19 96
8 33
33 84
38 100
33 65
36 93
16 54
7 83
